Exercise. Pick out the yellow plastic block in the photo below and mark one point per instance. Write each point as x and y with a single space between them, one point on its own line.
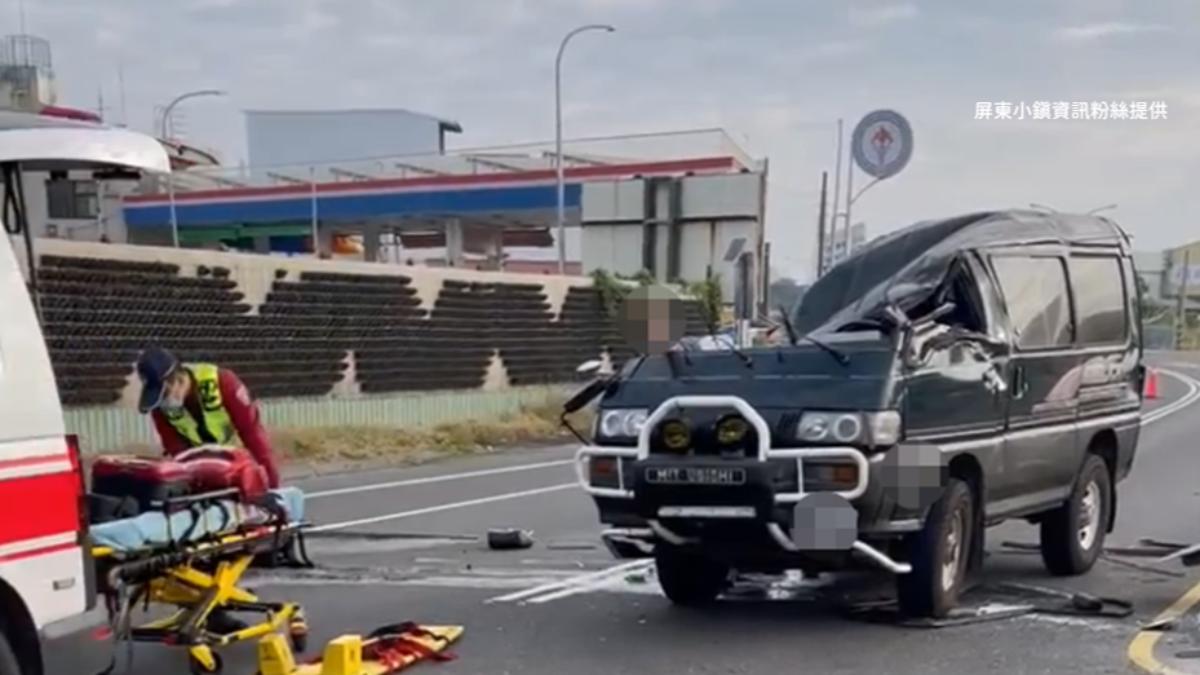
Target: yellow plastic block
275 656
343 656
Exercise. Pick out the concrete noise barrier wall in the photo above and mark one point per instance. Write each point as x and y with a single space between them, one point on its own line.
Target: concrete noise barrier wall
297 327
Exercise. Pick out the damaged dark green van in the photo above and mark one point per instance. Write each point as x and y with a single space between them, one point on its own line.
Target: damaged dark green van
950 376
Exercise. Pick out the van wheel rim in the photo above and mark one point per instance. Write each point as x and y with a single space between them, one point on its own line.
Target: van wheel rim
1089 516
952 562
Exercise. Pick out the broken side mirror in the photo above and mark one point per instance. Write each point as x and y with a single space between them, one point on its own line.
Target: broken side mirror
981 344
994 380
581 398
585 395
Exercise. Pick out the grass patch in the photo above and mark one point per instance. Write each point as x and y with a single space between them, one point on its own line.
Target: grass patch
413 446
394 445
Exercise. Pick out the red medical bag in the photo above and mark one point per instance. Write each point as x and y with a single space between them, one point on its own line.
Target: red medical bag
213 469
143 480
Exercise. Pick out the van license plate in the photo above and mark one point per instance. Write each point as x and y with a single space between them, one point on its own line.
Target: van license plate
696 476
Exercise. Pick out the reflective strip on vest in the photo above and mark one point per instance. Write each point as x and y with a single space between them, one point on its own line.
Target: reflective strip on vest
216 418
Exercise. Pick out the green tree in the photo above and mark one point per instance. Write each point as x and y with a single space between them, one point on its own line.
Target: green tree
708 293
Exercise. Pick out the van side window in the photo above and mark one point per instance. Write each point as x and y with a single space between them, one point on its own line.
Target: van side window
1035 293
1099 299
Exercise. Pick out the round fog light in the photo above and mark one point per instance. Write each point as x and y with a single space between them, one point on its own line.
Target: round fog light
732 430
676 435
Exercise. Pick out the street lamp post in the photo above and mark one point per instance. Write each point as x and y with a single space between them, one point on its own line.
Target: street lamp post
163 135
558 151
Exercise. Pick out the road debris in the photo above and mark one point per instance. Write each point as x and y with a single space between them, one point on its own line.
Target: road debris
1025 600
1114 554
1141 568
571 546
1162 625
509 539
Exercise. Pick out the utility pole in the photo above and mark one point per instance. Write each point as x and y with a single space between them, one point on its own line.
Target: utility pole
837 197
560 219
121 86
821 226
1181 308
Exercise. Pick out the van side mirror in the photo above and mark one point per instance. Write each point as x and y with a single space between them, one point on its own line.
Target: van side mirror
585 395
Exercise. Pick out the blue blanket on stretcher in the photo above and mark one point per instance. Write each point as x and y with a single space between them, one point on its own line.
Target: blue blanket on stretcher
154 529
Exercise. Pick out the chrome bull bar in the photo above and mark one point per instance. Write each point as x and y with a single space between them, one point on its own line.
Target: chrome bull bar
764 453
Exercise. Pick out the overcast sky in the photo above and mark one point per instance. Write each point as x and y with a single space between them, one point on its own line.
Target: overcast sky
776 73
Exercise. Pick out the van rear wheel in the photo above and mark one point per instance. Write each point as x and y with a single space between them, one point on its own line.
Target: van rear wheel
1073 535
939 555
689 579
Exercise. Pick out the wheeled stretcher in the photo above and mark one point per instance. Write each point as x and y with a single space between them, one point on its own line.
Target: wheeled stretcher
189 555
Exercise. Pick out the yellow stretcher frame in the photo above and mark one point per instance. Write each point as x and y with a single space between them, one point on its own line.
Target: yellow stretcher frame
197 580
356 655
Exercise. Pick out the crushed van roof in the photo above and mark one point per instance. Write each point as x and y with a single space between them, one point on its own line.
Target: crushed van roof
909 264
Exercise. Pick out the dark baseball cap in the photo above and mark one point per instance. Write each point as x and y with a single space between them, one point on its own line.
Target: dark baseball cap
154 366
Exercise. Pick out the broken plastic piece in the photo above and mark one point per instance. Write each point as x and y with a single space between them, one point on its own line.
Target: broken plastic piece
1160 625
509 539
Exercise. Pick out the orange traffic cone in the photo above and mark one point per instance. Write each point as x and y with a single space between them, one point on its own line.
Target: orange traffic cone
1152 383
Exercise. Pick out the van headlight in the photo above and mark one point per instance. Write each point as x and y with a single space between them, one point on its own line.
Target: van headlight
622 422
874 428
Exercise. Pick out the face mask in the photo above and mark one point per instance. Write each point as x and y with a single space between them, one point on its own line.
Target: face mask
172 404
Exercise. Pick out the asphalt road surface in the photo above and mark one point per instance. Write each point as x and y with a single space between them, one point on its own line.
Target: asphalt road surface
566 606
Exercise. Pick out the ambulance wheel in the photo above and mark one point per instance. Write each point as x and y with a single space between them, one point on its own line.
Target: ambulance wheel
939 555
9 665
198 668
688 579
1073 534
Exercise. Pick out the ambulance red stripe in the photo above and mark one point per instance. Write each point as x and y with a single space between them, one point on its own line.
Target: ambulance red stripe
27 461
39 506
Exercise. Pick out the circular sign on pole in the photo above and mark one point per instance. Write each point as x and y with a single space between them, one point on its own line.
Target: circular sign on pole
882 143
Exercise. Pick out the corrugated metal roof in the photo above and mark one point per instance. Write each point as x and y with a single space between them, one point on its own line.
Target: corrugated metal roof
447 124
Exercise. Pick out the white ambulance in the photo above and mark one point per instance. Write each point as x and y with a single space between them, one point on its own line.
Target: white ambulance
50 620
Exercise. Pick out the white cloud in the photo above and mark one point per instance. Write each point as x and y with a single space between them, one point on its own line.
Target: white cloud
1098 31
1174 96
202 5
882 15
835 48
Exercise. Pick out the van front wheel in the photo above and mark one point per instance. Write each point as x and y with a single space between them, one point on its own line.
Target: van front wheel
1073 534
939 555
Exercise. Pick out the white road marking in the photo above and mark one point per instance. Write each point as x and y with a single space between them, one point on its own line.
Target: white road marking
443 507
607 582
1186 400
476 580
370 487
573 582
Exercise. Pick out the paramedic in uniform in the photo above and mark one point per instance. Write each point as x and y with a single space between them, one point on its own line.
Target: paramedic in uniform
195 404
